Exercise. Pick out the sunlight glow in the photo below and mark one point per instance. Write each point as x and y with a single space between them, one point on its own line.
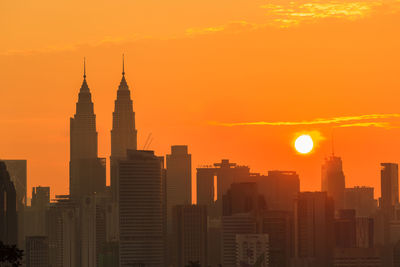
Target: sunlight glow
304 144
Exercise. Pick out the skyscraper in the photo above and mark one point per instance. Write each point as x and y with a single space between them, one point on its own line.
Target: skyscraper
37 251
123 133
190 234
179 178
279 189
18 175
252 249
345 229
87 172
236 224
313 229
333 180
279 227
17 168
8 208
361 199
142 215
389 185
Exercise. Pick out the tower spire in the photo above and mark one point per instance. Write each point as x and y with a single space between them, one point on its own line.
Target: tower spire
84 68
123 65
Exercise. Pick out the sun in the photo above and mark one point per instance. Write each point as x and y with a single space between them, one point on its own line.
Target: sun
304 144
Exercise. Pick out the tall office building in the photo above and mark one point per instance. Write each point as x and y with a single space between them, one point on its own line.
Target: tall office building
252 250
142 216
389 185
35 223
361 199
241 198
389 199
364 232
278 226
40 197
190 235
18 174
345 229
87 171
333 180
279 189
17 168
233 225
37 251
123 133
8 208
313 229
179 178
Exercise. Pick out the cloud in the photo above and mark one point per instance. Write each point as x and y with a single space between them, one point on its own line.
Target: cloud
293 13
230 27
338 121
385 125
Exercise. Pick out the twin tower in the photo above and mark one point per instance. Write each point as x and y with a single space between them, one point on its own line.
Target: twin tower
87 171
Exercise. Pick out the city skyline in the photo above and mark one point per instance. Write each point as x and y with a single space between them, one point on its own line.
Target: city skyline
322 143
239 63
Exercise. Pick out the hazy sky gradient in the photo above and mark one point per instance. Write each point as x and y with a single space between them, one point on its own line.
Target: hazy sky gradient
189 63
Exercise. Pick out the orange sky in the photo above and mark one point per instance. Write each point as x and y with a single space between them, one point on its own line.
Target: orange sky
195 66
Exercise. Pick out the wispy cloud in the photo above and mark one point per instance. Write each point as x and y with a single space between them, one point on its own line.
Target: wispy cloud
293 13
345 121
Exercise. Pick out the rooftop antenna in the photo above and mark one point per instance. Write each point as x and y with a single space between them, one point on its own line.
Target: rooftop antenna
84 68
123 65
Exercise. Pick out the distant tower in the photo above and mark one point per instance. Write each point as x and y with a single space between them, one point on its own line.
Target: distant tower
87 172
333 180
8 208
123 133
179 179
389 185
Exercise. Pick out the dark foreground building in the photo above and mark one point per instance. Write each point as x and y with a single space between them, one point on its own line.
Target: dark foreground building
142 210
8 208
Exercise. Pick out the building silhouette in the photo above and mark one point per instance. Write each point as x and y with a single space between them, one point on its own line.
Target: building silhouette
333 180
37 251
222 175
357 257
233 225
361 199
8 208
389 187
313 229
252 249
364 232
242 198
87 171
278 225
179 178
279 189
123 133
190 234
142 210
18 174
345 229
17 168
